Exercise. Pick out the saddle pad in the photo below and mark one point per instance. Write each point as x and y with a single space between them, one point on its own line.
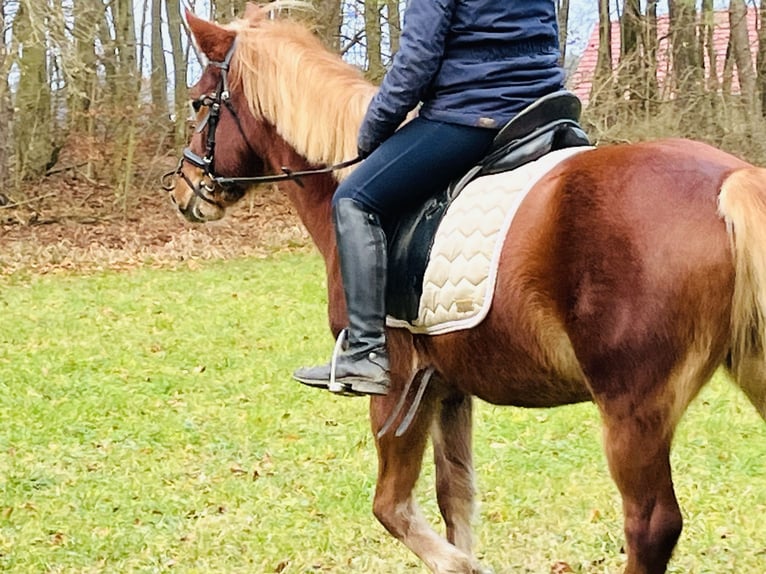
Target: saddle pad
460 275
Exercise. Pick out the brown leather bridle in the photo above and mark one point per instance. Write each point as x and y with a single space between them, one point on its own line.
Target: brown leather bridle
214 103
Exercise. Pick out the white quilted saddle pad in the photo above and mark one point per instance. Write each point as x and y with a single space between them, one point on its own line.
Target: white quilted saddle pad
460 275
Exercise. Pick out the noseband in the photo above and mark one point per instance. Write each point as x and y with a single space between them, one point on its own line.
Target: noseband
206 186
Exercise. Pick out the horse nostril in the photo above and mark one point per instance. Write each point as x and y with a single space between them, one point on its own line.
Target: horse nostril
173 199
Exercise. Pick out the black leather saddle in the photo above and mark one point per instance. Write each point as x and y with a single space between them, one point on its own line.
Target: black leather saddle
549 124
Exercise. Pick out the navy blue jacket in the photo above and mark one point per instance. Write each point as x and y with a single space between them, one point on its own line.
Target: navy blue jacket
470 62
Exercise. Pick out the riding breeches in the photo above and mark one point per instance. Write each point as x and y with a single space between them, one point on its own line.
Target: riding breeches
415 163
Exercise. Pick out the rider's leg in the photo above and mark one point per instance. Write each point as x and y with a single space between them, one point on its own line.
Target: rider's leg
416 162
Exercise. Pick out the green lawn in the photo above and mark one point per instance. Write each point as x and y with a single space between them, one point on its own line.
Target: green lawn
149 424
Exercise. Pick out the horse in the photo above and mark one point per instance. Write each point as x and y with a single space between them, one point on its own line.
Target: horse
629 275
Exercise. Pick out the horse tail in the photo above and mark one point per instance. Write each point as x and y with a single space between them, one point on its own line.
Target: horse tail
742 204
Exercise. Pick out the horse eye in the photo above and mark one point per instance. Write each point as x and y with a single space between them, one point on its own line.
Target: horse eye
196 105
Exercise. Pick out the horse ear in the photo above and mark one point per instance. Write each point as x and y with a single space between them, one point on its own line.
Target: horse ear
213 40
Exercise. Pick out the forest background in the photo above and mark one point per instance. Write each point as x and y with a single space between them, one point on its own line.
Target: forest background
94 107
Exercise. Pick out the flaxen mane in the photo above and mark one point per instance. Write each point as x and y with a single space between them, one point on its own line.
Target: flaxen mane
314 98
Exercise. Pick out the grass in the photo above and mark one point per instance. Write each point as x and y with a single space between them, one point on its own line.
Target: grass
149 424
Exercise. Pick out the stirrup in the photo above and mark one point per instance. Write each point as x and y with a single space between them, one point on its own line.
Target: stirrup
334 386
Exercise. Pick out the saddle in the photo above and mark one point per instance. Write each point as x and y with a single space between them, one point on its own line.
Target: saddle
549 124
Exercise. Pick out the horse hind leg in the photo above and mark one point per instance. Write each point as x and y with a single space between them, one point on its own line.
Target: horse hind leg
638 452
638 430
399 464
453 457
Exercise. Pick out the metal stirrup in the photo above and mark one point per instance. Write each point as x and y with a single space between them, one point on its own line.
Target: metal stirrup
335 387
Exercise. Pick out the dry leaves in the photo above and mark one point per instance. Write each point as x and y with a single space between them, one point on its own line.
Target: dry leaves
79 227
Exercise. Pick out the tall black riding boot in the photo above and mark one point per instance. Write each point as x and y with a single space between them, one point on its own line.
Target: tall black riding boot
362 367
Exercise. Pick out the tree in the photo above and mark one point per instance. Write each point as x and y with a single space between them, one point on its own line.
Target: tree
687 69
740 45
159 73
328 22
761 57
707 30
630 49
175 31
394 24
563 21
33 145
228 10
6 108
603 74
373 35
651 47
81 76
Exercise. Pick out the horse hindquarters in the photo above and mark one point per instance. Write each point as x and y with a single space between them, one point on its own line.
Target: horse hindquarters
742 203
643 287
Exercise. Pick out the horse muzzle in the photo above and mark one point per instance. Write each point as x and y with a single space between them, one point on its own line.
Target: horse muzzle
193 197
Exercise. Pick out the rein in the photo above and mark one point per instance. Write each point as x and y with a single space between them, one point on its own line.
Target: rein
214 102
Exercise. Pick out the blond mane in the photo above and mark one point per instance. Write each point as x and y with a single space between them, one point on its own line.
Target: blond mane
315 99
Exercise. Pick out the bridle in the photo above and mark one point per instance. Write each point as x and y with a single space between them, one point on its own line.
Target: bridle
214 102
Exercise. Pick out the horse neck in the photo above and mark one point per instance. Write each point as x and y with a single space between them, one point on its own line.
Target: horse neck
313 204
312 103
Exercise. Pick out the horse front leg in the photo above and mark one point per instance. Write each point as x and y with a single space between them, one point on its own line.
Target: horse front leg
399 464
453 457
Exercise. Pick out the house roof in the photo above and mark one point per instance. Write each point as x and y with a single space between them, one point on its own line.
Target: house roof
581 80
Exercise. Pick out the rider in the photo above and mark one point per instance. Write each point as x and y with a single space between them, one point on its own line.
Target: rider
473 65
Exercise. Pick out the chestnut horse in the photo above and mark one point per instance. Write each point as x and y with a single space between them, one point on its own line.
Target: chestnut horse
629 275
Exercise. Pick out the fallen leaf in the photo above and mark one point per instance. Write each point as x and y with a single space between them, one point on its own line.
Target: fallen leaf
561 568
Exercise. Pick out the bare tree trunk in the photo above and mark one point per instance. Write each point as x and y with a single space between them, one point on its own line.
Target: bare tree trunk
563 19
126 74
372 32
395 24
687 71
227 10
708 45
328 22
761 60
6 109
602 77
176 29
126 84
740 45
651 47
82 74
728 70
32 126
630 25
159 74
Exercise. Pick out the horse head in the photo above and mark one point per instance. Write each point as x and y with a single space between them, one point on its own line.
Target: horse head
228 141
270 96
